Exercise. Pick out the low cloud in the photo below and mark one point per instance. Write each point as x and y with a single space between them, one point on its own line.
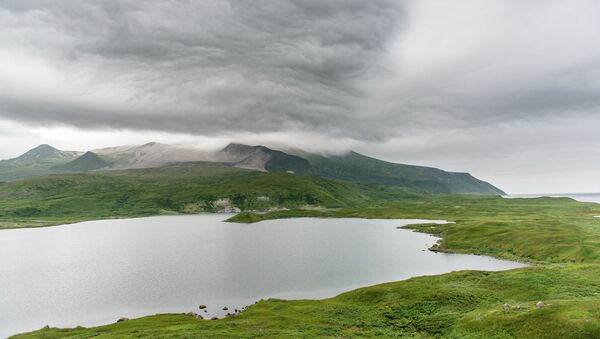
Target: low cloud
439 83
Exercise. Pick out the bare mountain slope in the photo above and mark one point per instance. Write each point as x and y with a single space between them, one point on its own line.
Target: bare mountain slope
262 158
152 154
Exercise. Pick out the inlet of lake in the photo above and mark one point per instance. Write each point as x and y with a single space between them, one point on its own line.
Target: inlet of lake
95 272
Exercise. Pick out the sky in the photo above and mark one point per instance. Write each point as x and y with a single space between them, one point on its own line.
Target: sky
506 90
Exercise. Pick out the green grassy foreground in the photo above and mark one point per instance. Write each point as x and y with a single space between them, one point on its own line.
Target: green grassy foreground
559 235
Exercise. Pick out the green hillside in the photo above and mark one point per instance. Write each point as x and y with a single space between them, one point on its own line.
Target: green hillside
281 161
179 188
351 167
559 235
87 162
35 162
356 167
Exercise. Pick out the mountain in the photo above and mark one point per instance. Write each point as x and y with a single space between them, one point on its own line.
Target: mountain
149 155
350 167
35 162
356 167
89 161
263 159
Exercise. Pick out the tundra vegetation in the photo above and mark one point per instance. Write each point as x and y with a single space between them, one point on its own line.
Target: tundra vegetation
177 189
558 236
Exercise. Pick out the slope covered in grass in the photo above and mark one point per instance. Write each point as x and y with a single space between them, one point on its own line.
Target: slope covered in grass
559 235
35 162
356 167
89 161
543 229
180 188
457 305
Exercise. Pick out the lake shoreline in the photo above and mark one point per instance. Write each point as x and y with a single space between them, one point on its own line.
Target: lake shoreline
491 226
315 296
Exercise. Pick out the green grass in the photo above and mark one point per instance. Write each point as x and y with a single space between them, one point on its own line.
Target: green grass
558 235
462 304
550 230
190 188
356 167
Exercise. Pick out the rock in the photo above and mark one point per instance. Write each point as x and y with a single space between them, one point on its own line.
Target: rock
195 315
518 307
540 304
225 308
122 319
214 318
435 248
202 307
506 307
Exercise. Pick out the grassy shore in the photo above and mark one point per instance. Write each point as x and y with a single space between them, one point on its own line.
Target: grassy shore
553 230
559 235
178 189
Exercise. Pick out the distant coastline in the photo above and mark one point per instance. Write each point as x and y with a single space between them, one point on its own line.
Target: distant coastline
583 197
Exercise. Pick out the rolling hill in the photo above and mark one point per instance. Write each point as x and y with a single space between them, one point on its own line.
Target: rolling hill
189 187
89 161
35 162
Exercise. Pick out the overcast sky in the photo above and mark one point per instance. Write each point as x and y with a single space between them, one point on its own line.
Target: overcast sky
506 90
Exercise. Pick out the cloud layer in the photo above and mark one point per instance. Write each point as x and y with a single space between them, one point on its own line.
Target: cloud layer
199 67
360 69
495 87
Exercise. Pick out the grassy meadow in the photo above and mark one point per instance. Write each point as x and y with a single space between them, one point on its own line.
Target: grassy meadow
179 189
558 236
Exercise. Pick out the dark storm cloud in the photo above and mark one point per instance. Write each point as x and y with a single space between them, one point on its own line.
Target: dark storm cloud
193 66
364 70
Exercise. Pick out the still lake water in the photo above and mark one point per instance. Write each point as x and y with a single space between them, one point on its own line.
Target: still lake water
95 272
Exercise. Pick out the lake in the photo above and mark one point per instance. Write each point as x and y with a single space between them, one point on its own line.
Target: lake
95 272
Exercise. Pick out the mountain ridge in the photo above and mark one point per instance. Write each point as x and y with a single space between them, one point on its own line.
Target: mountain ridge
350 166
36 162
356 167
